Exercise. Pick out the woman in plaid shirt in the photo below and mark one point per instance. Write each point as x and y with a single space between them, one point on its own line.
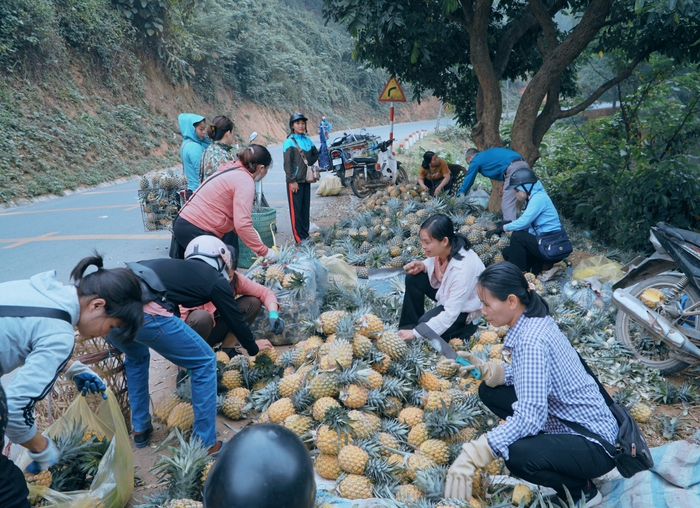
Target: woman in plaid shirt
545 383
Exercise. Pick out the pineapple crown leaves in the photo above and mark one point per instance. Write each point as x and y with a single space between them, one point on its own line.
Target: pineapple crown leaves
370 445
670 425
416 396
431 482
665 392
302 400
445 421
181 471
287 358
262 398
337 419
376 401
395 428
380 472
356 373
69 473
395 387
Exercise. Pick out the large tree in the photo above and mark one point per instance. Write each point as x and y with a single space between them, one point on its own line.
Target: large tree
461 51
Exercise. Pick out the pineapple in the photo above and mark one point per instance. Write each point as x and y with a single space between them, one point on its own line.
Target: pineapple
330 319
641 412
181 472
222 357
487 337
353 396
429 381
361 345
299 424
321 406
392 345
341 352
231 379
415 463
495 352
327 466
288 385
182 503
355 487
417 435
324 384
373 380
411 416
370 325
274 273
435 400
408 494
456 343
652 297
436 450
362 424
445 369
144 183
205 472
234 407
330 441
522 495
238 392
352 459
181 417
281 409
386 440
42 480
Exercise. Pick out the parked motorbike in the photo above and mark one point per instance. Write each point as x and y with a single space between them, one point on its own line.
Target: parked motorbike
342 149
372 173
659 301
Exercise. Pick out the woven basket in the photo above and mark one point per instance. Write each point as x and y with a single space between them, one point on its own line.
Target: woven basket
106 362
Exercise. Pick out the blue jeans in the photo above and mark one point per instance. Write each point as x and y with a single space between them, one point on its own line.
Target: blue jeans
177 342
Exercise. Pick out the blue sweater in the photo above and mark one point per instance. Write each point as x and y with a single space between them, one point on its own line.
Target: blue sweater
192 148
539 214
491 163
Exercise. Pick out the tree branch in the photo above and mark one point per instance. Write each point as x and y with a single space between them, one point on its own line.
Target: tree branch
566 113
687 116
546 22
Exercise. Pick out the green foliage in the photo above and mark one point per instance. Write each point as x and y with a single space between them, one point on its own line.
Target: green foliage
26 27
622 174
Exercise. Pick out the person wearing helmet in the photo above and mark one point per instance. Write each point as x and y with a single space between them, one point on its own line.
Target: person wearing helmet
298 150
275 457
250 298
194 141
200 278
497 164
224 204
37 337
539 215
326 126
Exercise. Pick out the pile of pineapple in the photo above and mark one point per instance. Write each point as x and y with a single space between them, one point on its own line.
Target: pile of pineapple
160 199
385 231
80 453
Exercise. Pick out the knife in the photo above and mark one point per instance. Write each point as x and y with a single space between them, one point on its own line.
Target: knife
439 344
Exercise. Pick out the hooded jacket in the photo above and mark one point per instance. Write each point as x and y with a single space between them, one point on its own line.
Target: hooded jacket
539 214
294 166
38 347
192 148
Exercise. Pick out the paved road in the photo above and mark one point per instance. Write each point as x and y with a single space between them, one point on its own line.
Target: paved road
56 233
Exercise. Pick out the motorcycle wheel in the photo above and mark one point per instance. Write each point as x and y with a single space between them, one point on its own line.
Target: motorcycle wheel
359 186
402 176
641 342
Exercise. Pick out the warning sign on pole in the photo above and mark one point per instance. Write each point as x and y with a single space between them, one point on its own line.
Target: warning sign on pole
392 92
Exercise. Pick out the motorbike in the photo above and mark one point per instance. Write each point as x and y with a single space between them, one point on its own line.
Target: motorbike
658 301
372 173
341 151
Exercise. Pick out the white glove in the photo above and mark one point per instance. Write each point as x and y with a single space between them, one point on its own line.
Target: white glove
492 373
271 255
44 459
460 476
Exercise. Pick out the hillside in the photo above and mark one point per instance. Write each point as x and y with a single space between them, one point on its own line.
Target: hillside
87 96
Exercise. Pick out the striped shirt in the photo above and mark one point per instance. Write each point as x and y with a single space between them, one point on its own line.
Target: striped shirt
550 383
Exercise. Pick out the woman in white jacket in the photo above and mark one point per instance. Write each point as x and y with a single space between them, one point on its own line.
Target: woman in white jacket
448 276
37 317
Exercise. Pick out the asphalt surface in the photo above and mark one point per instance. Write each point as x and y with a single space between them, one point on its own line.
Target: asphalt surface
55 233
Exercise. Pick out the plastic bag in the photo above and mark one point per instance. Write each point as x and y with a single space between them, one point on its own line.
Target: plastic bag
113 483
329 185
599 267
339 270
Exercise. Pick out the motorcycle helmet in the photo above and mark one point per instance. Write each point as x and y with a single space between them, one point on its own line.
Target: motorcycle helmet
263 466
212 251
522 177
296 116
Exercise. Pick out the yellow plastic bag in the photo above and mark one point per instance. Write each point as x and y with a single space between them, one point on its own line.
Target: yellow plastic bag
600 267
339 270
330 185
113 483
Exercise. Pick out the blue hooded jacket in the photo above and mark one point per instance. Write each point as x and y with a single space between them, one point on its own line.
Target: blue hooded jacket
539 214
192 148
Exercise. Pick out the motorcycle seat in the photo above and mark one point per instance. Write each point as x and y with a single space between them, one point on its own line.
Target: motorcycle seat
680 234
365 160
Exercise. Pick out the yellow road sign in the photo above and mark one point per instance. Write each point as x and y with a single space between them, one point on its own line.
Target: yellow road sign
392 92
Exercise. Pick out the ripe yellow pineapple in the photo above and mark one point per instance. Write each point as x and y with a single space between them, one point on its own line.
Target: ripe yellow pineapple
274 273
233 407
444 384
289 385
353 396
436 450
495 351
408 494
415 463
478 348
652 297
355 487
371 325
363 424
374 379
281 409
91 434
488 337
182 503
205 471
352 459
321 406
429 381
328 441
330 319
641 412
465 434
522 494
445 369
341 352
304 371
238 392
231 379
361 345
326 363
456 343
393 406
387 441
271 353
42 480
435 400
165 407
328 466
182 416
324 384
411 416
417 435
391 344
299 424
382 365
312 343
495 468
222 357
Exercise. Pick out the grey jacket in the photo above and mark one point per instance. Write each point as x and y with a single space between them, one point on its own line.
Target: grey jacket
37 348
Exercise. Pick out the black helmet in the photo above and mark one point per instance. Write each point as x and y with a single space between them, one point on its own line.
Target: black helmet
296 116
263 466
520 177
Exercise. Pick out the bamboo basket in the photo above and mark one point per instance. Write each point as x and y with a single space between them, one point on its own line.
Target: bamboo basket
106 362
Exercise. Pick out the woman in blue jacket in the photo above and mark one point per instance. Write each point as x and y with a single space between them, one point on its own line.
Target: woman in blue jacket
539 215
194 142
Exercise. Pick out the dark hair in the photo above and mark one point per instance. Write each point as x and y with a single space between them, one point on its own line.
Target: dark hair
220 125
119 287
471 151
427 158
234 266
504 278
197 123
254 155
440 226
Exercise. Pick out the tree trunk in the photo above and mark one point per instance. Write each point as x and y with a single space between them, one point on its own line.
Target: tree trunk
496 197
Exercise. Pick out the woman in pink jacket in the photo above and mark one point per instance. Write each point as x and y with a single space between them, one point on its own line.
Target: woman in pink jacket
223 203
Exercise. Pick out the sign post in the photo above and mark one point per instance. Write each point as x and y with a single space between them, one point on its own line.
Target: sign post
392 93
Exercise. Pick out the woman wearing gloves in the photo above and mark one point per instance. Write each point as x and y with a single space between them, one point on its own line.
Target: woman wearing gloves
224 203
37 317
299 152
545 383
448 276
200 278
539 215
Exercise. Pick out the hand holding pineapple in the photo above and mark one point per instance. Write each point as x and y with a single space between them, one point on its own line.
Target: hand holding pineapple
461 473
42 460
414 267
264 344
492 373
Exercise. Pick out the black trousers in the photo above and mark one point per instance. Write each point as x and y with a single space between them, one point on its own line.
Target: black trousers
184 232
13 486
413 309
300 210
524 253
432 185
552 460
